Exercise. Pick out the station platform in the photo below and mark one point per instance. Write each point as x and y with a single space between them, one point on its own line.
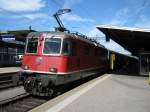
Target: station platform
11 92
107 93
9 70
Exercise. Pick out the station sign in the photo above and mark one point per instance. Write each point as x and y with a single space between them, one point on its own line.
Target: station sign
7 38
10 39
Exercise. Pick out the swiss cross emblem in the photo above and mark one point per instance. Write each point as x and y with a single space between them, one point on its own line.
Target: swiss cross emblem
39 60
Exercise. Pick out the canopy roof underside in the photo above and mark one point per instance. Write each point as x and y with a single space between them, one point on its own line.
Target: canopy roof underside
134 40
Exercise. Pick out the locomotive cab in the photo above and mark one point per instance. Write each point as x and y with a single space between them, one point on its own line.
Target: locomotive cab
42 53
46 57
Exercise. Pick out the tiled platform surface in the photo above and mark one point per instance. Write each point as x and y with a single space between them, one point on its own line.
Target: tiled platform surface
109 93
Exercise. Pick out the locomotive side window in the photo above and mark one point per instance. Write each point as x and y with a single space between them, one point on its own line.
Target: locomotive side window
96 51
86 50
52 46
74 48
67 47
32 45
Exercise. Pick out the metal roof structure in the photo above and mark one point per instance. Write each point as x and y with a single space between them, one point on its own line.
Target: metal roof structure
134 40
19 35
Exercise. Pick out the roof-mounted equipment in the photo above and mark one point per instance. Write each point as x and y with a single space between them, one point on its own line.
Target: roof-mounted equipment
61 27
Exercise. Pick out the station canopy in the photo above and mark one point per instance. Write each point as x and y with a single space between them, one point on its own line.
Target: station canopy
135 40
20 35
14 38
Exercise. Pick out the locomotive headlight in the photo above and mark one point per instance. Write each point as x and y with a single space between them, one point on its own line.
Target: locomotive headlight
53 70
26 67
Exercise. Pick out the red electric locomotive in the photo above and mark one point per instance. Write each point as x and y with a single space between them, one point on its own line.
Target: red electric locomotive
56 58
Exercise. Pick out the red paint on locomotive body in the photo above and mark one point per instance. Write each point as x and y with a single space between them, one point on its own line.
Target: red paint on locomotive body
46 63
81 57
58 58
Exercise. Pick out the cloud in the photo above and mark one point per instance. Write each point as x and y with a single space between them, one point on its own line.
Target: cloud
33 16
73 17
121 17
130 15
144 22
70 3
77 18
21 5
144 5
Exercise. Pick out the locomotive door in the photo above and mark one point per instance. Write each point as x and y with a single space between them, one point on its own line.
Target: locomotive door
144 63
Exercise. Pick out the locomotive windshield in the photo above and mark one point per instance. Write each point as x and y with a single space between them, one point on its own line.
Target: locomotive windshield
52 46
32 45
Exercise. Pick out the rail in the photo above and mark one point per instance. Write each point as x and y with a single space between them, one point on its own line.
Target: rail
21 103
8 80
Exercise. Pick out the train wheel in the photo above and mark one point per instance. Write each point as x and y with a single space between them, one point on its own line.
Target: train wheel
29 84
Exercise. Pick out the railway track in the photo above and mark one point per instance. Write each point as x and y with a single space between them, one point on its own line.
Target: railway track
21 103
8 80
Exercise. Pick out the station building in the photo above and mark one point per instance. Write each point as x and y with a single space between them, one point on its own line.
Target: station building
12 44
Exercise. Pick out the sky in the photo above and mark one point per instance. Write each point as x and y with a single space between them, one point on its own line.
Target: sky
84 17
